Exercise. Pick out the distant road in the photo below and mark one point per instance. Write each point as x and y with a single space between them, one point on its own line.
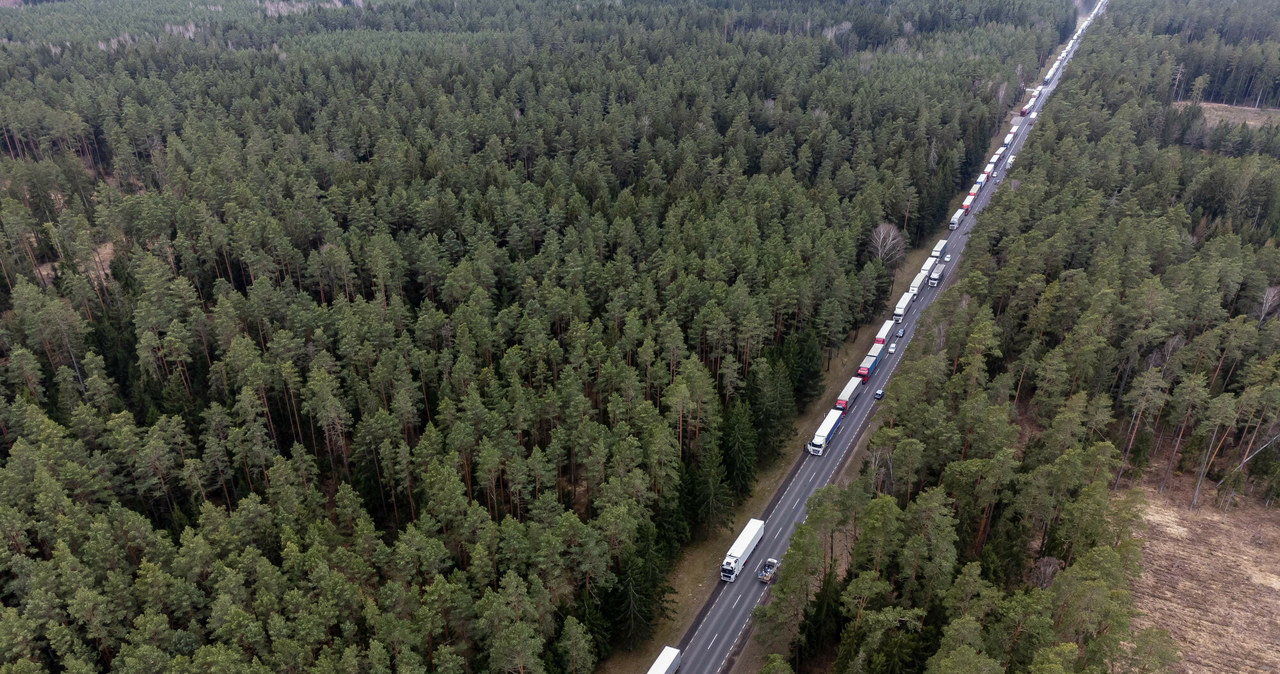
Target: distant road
720 624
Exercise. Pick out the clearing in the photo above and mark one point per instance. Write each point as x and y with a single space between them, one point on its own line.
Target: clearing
1217 113
1211 579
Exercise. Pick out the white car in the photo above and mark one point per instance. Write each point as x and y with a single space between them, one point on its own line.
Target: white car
946 258
893 348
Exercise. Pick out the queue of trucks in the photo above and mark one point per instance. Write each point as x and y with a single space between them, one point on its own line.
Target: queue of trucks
933 272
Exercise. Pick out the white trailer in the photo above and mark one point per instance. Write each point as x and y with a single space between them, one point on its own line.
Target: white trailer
1052 71
883 335
668 661
928 265
956 218
939 272
900 310
737 557
821 437
1008 139
850 391
939 248
968 203
917 284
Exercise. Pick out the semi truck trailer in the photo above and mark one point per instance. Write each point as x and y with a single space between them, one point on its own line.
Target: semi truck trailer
667 663
741 550
825 431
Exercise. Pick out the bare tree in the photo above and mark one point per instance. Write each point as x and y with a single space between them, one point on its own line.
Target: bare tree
887 244
1270 299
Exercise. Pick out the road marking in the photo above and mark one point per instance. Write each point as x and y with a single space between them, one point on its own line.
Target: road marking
868 405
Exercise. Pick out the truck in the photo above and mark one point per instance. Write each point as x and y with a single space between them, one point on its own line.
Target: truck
973 191
939 272
868 366
900 309
741 550
939 248
968 203
928 264
1030 104
917 284
768 570
668 661
816 447
991 168
883 334
1048 77
848 394
956 218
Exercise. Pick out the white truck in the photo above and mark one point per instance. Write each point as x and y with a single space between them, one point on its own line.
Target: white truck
939 248
939 272
968 203
668 660
736 559
928 265
917 284
850 392
955 219
900 309
883 335
816 447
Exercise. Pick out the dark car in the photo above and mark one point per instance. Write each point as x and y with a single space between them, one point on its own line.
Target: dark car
879 393
902 332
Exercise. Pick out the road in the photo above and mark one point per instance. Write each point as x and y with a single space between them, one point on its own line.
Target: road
715 633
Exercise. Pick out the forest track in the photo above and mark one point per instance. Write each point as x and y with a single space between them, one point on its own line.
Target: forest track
1212 579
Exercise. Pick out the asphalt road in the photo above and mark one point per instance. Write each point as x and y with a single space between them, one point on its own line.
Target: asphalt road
711 641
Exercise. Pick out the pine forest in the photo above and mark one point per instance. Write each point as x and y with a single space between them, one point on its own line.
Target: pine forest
426 336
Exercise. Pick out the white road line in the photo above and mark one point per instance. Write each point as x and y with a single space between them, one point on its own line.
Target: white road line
829 471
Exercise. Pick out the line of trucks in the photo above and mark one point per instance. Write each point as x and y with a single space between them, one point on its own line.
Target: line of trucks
932 273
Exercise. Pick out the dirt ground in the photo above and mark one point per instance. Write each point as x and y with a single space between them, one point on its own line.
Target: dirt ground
1212 579
1216 113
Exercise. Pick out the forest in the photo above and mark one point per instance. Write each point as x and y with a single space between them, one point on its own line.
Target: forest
1113 322
422 336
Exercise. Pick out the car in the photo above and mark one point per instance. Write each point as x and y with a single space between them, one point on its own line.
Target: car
893 348
879 393
768 571
946 258
902 332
